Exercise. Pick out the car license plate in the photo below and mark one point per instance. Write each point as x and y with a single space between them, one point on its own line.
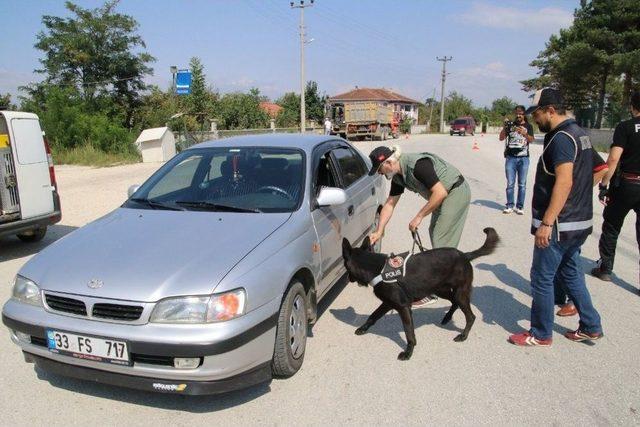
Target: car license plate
88 347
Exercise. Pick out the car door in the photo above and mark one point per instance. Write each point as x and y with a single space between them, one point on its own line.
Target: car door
328 220
359 210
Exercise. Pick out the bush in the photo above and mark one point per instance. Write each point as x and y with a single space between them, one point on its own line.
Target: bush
405 125
90 156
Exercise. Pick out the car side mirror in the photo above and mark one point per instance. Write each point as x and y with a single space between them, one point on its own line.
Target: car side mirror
132 189
331 196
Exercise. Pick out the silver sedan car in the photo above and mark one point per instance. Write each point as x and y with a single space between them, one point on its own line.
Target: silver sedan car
206 279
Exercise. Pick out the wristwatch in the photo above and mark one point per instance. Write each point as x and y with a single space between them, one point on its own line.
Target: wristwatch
545 224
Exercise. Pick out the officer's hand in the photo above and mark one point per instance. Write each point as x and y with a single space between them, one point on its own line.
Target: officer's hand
415 222
375 236
603 194
543 235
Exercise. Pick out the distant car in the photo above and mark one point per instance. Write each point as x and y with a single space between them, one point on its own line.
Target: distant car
206 278
462 126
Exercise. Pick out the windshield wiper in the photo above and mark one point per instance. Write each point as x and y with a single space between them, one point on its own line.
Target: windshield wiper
157 205
216 207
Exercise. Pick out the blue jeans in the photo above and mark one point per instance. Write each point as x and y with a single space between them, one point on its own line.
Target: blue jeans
561 259
512 167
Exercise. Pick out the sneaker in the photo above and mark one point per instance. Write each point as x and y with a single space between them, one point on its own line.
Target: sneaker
425 301
507 210
567 309
519 211
525 339
596 272
578 335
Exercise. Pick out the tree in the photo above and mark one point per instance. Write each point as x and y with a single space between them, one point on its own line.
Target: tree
98 52
290 114
314 102
5 102
201 102
242 111
457 105
601 47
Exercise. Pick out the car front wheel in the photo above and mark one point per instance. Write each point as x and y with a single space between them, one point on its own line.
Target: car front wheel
291 333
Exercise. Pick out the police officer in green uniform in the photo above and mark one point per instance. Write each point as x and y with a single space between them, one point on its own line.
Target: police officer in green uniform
437 181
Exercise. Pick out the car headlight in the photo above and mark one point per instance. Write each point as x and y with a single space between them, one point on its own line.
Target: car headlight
24 290
200 309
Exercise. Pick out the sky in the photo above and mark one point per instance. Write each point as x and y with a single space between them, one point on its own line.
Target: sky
366 43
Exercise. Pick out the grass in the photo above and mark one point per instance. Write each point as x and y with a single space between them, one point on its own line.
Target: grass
89 156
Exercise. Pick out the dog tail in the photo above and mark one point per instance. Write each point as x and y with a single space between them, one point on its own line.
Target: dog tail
488 247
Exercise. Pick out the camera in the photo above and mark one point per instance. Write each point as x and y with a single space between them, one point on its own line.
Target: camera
509 126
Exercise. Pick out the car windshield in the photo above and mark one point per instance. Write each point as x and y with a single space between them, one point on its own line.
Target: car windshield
231 179
460 122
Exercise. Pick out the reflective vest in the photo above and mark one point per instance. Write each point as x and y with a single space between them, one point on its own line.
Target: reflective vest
575 221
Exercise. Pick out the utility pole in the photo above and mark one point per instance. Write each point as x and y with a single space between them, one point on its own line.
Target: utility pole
303 114
444 77
433 99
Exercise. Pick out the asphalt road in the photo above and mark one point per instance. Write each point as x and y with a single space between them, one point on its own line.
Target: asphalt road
349 379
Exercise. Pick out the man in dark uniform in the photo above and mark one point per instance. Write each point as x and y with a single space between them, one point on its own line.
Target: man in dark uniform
620 188
562 210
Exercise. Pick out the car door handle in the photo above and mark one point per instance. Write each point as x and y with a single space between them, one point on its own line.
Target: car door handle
350 210
373 191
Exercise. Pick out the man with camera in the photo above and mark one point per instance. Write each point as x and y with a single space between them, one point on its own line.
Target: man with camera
620 188
518 134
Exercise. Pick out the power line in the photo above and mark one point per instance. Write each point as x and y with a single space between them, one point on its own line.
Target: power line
303 115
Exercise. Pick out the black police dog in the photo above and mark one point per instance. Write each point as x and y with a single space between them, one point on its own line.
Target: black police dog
445 272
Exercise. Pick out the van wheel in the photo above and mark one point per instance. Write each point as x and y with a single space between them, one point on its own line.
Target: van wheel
34 235
291 333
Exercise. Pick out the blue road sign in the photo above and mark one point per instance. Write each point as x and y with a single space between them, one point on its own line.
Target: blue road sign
183 82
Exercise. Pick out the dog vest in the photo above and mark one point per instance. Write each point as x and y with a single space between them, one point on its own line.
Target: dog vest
394 268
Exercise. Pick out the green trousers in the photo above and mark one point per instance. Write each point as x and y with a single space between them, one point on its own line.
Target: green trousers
447 222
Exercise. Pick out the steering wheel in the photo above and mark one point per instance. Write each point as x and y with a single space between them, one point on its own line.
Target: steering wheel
274 189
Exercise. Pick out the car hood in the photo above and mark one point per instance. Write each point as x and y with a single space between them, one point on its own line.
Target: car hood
147 255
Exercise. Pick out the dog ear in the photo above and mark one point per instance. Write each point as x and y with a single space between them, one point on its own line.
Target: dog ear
346 247
366 244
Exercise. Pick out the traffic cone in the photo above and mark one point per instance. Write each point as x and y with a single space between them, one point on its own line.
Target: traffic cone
475 145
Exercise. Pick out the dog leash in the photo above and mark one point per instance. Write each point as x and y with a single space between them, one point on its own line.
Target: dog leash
416 242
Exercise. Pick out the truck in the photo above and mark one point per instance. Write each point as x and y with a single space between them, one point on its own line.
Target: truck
29 199
361 119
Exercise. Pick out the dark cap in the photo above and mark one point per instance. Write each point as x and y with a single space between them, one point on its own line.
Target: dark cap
377 156
544 97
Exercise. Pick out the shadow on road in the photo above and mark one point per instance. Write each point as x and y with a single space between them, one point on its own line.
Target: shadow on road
491 204
13 248
390 325
194 404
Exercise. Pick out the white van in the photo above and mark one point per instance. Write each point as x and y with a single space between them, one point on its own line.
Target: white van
29 200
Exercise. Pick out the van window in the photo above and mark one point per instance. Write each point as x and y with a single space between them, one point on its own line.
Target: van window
28 141
460 122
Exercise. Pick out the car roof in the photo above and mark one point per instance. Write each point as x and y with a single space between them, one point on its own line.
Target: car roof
284 140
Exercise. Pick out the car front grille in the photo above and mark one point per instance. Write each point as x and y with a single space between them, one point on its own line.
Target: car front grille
117 311
67 305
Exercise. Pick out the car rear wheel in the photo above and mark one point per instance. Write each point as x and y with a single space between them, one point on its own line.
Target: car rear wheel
34 235
463 133
291 333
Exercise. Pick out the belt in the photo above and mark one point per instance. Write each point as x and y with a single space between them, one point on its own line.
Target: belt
458 183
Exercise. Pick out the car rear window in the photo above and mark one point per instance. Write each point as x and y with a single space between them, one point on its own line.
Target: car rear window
460 122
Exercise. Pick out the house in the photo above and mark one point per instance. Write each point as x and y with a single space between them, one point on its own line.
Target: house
407 107
271 109
156 144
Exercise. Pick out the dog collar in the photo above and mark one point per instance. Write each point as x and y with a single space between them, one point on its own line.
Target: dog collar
375 280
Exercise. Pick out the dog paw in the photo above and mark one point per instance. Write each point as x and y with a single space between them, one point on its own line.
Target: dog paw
460 338
405 355
361 331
